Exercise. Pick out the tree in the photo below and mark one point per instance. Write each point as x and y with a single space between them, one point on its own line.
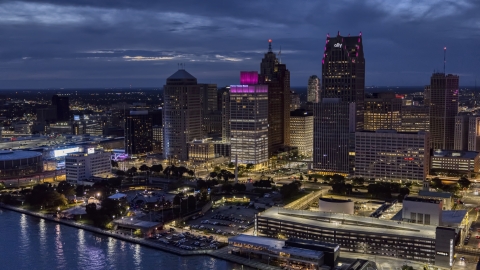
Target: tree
358 181
464 183
176 200
114 164
239 187
436 183
190 172
181 171
66 188
120 173
133 169
2 185
407 267
231 165
213 175
336 178
217 169
249 166
144 168
45 195
156 168
301 177
227 188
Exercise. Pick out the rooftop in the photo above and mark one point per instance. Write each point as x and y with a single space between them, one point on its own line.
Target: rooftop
434 194
181 74
421 199
451 217
455 154
345 222
14 155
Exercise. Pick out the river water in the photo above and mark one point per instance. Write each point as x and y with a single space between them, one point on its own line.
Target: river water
29 243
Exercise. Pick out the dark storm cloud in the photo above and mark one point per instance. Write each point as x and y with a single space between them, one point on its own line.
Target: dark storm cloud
120 43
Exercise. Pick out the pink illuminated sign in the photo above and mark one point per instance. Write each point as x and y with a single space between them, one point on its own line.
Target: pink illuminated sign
248 77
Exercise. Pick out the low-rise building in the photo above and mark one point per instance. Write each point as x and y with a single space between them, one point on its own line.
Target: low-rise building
81 166
455 161
201 151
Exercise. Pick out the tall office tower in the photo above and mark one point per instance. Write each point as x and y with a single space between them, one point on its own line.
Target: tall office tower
157 117
415 118
182 114
391 155
63 107
333 134
301 131
249 120
208 97
313 89
461 132
427 95
382 111
474 133
343 72
277 77
443 109
138 133
47 115
225 108
294 101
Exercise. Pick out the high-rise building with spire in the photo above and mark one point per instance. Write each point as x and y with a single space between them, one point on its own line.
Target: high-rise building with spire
313 89
277 77
443 110
343 72
182 117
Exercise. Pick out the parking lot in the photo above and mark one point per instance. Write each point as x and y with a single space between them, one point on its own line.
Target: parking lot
187 240
225 220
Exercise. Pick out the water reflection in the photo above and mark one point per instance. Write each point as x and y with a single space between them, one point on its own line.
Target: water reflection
59 247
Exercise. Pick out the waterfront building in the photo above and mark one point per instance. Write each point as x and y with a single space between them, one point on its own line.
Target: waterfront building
313 89
81 166
443 110
138 133
277 77
249 120
182 116
343 72
301 131
333 136
19 163
391 155
382 111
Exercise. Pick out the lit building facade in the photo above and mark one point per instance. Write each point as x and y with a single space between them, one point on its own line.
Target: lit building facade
277 77
455 161
294 101
313 89
461 132
343 72
82 166
382 111
201 151
157 139
474 134
249 120
443 110
391 155
333 134
182 114
415 118
225 109
138 133
301 131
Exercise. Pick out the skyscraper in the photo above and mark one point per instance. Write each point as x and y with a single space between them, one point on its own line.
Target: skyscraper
382 111
63 107
461 132
474 133
277 77
343 72
333 135
225 108
313 89
249 120
301 131
138 133
443 110
182 117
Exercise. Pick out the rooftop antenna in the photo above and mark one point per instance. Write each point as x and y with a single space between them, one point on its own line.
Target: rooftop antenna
444 59
270 45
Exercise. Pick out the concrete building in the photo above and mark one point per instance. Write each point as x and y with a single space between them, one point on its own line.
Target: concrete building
277 77
138 133
201 151
382 111
82 166
182 114
294 101
249 120
473 143
391 155
301 131
445 197
343 72
415 119
212 124
443 110
336 206
461 162
313 89
333 136
225 109
427 211
461 132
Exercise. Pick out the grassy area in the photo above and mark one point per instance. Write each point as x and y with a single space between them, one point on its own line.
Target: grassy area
294 197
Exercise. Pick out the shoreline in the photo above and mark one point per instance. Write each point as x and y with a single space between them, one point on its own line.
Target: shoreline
221 253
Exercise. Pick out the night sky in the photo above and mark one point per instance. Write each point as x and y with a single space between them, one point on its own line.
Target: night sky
118 43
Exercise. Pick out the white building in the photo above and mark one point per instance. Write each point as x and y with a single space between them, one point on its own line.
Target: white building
81 166
426 211
249 120
301 131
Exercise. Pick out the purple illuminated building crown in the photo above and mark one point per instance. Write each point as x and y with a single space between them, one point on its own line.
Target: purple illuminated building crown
248 77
